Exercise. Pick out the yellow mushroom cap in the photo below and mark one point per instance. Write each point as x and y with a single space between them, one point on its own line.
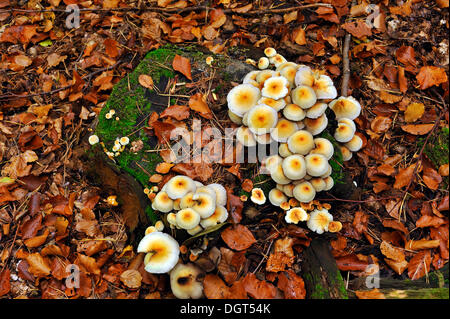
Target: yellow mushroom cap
207 190
347 107
245 136
258 196
277 60
344 133
288 190
176 204
205 204
164 251
271 163
250 76
296 215
124 140
179 186
234 118
276 197
150 229
283 130
301 142
264 75
242 98
319 220
162 202
270 52
159 225
264 139
294 167
329 183
185 282
221 194
275 87
278 176
324 147
287 64
346 153
304 76
324 87
318 184
304 192
316 164
195 230
261 119
316 110
285 205
187 218
294 112
349 122
334 226
304 96
289 71
316 126
93 139
355 144
284 151
186 201
275 104
172 218
219 216
263 63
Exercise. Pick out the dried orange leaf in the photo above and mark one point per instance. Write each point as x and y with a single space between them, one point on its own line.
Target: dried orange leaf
392 252
238 237
163 168
431 75
146 81
369 294
414 111
197 103
182 65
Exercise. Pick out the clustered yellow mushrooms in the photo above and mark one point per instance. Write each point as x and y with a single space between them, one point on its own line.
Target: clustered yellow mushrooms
287 105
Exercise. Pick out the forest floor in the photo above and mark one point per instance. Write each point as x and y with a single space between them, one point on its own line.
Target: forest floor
55 80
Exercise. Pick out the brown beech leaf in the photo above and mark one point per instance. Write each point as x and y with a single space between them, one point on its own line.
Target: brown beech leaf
215 288
351 262
259 289
230 264
179 112
431 75
163 167
163 131
417 129
5 282
89 263
395 224
431 178
422 244
358 29
414 111
197 103
146 81
238 237
38 266
406 55
183 65
404 176
443 170
429 221
37 240
131 278
369 294
419 265
441 234
234 206
292 285
381 124
247 185
398 266
392 252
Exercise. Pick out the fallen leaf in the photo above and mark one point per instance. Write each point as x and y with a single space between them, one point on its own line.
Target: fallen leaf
230 264
358 28
404 176
38 266
398 266
146 81
215 288
351 262
292 285
369 294
5 282
431 75
414 111
179 112
131 278
392 252
380 124
163 168
259 289
419 265
182 65
431 178
429 221
422 244
238 237
197 103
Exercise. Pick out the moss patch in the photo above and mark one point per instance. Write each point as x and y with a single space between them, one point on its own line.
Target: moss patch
437 150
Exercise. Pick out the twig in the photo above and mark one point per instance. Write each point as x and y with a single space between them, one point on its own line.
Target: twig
346 62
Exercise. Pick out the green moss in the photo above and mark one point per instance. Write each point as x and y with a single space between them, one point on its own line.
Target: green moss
424 293
336 162
318 291
151 214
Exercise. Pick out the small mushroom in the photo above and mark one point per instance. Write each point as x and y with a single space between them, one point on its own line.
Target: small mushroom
93 139
261 119
288 71
242 98
186 201
318 184
207 190
276 197
124 140
187 218
277 60
324 87
221 194
324 147
349 122
245 136
270 52
194 231
283 130
159 225
294 112
284 151
162 252
264 75
344 133
179 186
278 175
304 76
296 215
304 96
185 281
319 220
316 110
250 76
162 202
219 216
294 167
355 144
316 165
346 153
264 139
318 125
205 204
334 226
289 190
347 107
275 87
329 183
263 63
304 192
278 105
301 142
234 118
258 196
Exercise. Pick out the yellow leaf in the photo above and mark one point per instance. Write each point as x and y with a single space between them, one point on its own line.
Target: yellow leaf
414 111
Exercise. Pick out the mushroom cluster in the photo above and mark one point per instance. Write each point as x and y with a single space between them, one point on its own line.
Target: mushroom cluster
190 205
287 106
